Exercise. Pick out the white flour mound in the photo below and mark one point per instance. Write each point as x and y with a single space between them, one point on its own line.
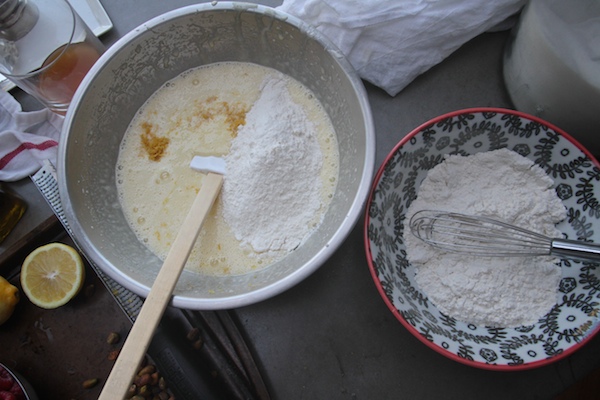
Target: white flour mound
490 291
272 191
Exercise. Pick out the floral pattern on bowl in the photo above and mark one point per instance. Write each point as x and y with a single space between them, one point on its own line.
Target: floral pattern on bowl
575 317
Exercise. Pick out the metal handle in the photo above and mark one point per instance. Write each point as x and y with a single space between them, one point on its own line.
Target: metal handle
573 249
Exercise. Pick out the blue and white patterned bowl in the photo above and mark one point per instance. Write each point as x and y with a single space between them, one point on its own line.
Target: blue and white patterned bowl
576 316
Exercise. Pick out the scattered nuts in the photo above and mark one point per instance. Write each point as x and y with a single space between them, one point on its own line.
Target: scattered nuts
89 290
148 384
144 391
131 391
90 383
148 369
113 338
198 344
154 378
193 334
142 380
162 384
112 356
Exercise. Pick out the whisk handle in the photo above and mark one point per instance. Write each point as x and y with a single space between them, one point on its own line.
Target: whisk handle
573 249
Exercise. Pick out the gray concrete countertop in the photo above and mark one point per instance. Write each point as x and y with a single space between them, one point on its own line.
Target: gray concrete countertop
332 336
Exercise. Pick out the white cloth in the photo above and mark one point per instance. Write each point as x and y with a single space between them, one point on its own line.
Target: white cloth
26 138
391 42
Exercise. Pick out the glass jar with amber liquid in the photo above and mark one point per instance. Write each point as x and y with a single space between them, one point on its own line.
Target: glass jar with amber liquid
46 49
12 209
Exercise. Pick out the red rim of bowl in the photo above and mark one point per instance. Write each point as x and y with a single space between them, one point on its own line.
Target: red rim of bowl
390 305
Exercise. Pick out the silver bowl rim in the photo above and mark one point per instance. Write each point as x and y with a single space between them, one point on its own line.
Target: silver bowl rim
263 293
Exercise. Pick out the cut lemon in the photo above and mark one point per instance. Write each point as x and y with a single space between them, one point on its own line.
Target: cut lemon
52 275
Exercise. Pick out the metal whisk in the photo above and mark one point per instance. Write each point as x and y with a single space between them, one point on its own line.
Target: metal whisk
483 236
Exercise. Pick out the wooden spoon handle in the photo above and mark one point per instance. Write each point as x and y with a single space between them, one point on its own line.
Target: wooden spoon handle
154 306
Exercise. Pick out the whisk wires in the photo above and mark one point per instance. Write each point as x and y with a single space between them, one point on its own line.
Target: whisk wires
477 235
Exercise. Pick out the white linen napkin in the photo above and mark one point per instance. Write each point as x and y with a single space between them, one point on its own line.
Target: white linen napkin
26 138
391 42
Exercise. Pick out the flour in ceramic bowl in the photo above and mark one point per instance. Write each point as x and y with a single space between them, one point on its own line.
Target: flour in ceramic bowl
490 291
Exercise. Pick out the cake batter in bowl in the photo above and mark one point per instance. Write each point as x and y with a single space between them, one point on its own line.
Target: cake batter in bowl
158 51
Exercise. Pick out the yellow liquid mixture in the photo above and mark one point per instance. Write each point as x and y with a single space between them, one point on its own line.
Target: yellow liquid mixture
199 113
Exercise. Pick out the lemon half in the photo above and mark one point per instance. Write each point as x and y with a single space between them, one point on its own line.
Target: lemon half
52 275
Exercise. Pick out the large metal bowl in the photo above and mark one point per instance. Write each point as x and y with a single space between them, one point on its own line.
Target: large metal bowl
134 68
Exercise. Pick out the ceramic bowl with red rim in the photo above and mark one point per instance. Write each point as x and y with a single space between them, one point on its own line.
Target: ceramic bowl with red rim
574 319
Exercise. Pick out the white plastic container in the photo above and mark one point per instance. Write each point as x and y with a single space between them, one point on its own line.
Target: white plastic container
552 66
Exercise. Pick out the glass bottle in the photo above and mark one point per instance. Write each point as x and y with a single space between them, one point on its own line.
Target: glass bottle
552 66
12 209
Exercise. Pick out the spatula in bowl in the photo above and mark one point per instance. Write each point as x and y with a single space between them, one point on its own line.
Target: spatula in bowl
138 340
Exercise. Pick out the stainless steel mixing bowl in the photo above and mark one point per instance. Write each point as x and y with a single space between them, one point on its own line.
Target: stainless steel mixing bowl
159 50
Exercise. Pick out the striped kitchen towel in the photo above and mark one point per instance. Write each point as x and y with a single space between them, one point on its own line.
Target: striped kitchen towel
26 138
